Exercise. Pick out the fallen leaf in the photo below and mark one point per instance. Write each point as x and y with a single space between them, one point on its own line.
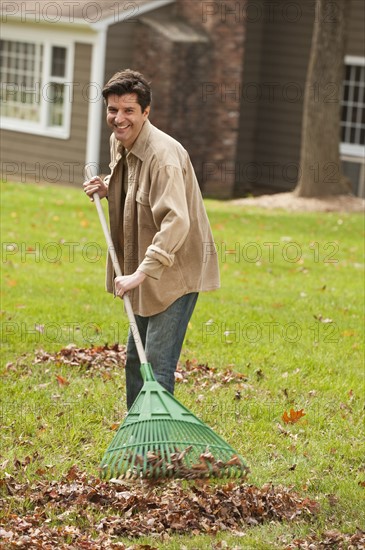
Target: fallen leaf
348 333
73 473
332 499
61 380
4 465
293 416
322 319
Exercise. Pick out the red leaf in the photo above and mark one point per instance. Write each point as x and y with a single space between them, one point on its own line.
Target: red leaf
62 381
293 416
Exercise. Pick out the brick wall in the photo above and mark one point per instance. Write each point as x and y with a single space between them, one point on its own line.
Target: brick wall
219 100
176 69
191 98
153 58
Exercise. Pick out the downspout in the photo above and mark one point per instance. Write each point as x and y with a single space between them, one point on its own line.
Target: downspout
97 76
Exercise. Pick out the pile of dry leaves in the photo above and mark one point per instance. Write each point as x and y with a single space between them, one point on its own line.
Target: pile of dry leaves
94 359
204 376
330 539
106 360
134 510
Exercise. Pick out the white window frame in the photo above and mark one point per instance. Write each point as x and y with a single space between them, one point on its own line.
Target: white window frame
48 41
351 149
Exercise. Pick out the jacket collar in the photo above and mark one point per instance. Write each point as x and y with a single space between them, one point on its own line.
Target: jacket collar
140 145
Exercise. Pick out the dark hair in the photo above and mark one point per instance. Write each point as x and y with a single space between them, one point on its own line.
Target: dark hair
129 82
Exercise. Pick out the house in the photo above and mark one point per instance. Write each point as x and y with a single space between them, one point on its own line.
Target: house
228 82
54 59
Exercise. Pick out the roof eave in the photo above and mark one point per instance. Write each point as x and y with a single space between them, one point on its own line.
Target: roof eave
131 14
97 26
76 22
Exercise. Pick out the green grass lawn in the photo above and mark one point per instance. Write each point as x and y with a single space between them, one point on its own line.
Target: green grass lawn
289 316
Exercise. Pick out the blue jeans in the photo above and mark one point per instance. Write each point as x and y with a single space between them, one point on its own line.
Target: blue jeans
162 336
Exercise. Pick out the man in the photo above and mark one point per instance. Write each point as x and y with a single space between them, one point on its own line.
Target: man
159 229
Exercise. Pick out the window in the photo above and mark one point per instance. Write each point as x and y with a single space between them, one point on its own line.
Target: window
57 87
34 92
353 107
21 68
352 146
354 169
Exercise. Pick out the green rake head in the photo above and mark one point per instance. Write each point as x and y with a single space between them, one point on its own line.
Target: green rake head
160 438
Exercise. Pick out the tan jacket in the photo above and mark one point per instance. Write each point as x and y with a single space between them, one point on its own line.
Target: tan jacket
160 227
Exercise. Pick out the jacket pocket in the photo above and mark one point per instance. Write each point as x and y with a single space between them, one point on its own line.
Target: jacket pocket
144 212
142 198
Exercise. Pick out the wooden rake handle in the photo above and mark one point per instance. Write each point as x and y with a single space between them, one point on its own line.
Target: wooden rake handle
118 271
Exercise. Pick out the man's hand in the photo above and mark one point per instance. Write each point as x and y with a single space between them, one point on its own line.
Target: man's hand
95 185
127 282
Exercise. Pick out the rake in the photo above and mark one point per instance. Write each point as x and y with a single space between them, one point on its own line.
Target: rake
160 438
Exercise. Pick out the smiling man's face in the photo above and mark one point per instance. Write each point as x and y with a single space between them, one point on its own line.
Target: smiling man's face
125 117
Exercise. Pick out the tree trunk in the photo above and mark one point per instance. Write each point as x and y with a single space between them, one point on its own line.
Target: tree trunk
320 168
